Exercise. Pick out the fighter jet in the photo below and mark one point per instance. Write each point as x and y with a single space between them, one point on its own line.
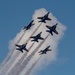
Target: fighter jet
21 47
44 18
52 29
45 50
29 26
37 37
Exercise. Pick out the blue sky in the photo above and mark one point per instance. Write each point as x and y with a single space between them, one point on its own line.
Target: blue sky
14 14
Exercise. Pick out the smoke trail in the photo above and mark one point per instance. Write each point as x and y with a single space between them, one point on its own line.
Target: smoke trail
29 57
26 42
20 66
13 48
15 41
9 56
32 67
17 65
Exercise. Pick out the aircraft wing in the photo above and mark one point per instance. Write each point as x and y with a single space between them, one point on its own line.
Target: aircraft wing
48 19
55 32
39 17
18 45
25 49
21 51
24 27
32 37
41 38
48 26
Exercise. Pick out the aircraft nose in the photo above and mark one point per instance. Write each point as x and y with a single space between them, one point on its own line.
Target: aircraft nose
48 46
56 23
32 20
40 32
26 43
48 12
47 26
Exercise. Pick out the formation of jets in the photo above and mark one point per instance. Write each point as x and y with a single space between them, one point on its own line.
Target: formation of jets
51 30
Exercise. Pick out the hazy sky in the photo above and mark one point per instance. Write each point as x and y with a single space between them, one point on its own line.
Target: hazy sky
14 14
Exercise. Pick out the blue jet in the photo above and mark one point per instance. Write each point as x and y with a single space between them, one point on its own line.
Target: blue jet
52 29
45 50
37 37
44 18
21 47
28 26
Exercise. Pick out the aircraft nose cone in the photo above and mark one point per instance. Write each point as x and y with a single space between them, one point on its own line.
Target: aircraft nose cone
32 20
48 46
56 23
40 32
48 12
47 26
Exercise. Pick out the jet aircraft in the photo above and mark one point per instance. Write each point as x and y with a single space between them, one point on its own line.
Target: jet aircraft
21 47
44 18
29 26
45 50
37 37
52 29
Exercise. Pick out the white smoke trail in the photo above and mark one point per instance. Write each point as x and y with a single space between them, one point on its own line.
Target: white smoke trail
29 45
32 67
12 48
25 62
